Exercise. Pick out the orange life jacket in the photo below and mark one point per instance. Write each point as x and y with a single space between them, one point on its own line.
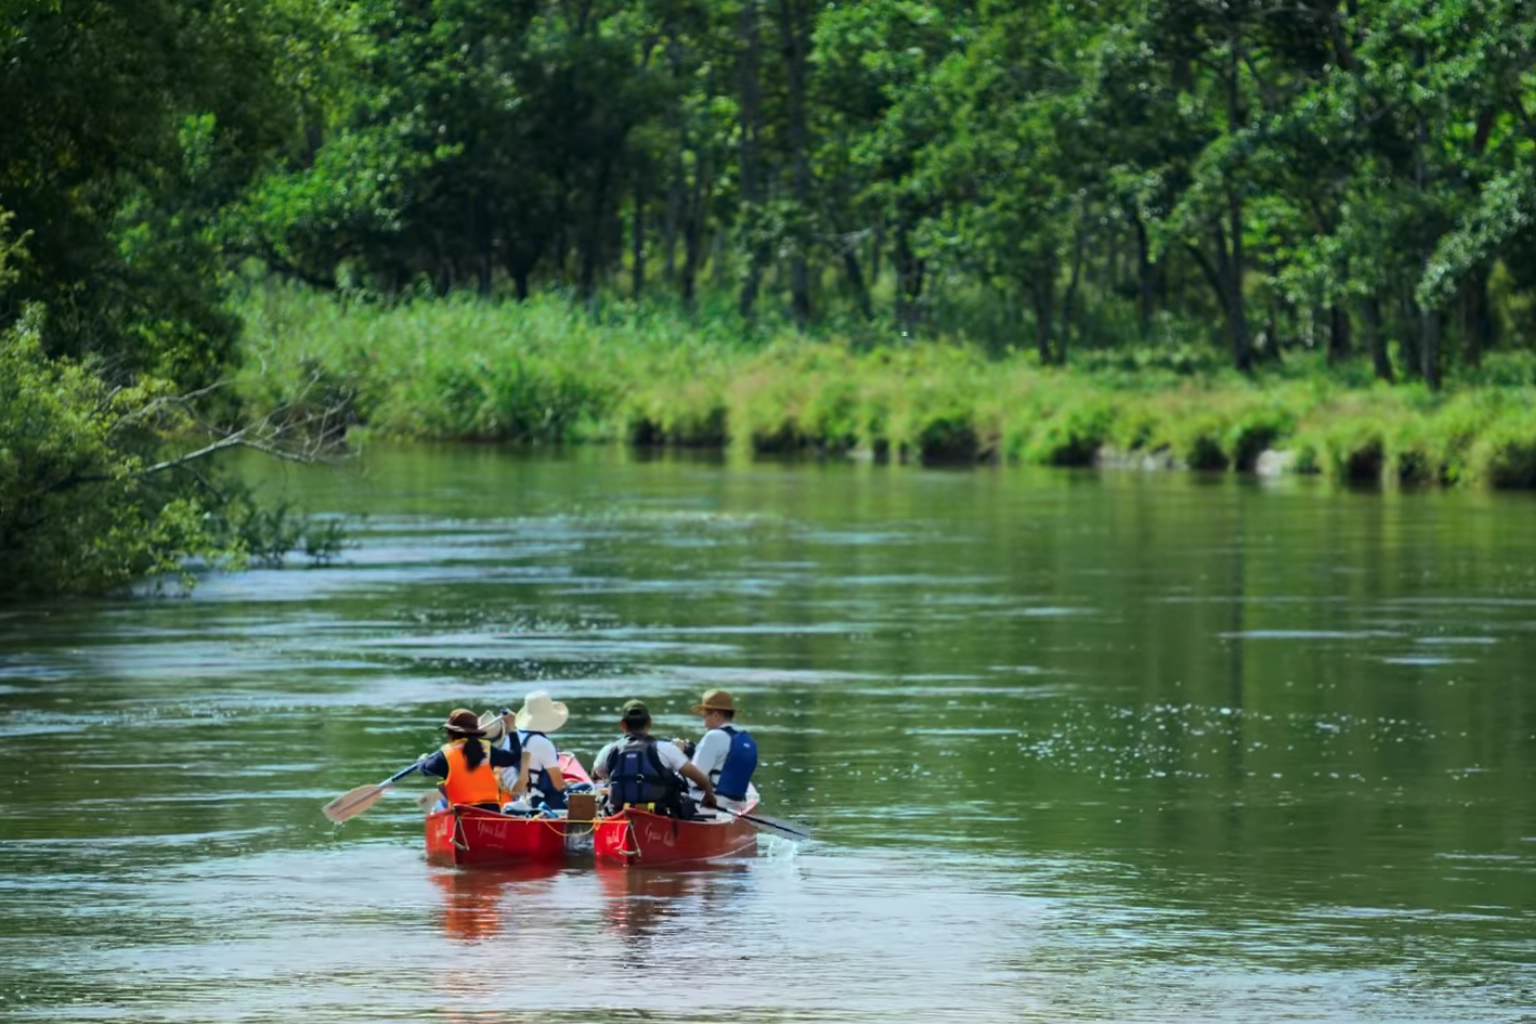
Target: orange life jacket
465 785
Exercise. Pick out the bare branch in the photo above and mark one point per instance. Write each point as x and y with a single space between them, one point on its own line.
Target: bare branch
294 432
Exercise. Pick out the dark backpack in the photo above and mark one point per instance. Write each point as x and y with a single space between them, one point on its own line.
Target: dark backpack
636 778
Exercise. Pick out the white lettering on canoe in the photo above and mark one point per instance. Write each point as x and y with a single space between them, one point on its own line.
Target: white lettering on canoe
654 833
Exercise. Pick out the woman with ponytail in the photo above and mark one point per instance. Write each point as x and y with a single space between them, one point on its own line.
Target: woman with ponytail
467 764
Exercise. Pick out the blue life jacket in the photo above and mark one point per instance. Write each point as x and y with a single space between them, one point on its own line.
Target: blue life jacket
732 778
636 776
539 780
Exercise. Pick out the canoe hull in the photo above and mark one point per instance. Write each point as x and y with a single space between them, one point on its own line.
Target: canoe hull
468 836
472 836
638 838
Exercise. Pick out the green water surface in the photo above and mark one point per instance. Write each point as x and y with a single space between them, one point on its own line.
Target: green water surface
1076 747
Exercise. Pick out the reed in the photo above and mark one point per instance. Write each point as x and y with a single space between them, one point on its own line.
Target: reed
549 370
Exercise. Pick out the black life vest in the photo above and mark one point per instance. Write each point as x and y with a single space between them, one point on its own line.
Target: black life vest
636 777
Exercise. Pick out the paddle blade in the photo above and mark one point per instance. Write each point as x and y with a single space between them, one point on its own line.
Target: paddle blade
353 802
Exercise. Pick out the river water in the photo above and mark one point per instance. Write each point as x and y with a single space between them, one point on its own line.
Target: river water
1075 747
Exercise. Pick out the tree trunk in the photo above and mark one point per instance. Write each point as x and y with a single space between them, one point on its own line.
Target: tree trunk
480 243
1042 294
751 194
1112 257
1145 284
1226 281
592 237
909 283
1477 319
793 20
637 238
1069 301
876 249
1429 347
1237 312
672 217
1272 326
855 275
1429 319
1370 315
693 235
1408 312
719 261
1338 334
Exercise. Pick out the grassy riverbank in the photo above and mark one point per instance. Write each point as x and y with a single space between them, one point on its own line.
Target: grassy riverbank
545 371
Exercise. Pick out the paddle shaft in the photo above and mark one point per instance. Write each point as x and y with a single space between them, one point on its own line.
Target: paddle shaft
355 802
402 773
763 821
774 823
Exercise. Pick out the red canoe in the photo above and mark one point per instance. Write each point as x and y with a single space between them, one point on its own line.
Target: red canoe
636 838
466 836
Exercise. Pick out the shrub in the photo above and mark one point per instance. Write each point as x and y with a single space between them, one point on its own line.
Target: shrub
1504 455
91 497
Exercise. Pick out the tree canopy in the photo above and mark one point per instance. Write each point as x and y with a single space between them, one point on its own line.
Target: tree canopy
1354 177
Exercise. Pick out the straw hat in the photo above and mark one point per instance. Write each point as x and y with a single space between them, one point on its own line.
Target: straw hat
540 714
494 725
714 700
463 723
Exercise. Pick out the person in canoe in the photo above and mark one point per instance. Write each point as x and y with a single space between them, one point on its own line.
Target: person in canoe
468 765
726 753
643 771
526 735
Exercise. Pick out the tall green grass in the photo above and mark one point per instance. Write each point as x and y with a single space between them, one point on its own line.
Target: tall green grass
548 370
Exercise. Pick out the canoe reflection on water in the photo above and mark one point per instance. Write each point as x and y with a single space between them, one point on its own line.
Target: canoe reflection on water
474 901
637 903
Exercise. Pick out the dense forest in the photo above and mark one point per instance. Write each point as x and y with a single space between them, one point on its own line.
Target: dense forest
1250 177
1356 177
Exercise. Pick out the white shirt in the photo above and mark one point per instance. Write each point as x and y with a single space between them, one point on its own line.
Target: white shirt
668 754
541 756
711 753
541 753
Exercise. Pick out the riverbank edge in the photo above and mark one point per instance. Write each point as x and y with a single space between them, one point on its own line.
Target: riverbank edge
548 372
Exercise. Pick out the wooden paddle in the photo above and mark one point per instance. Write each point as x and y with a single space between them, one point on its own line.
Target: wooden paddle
354 802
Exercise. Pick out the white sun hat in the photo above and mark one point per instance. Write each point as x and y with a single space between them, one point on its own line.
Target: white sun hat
540 714
492 725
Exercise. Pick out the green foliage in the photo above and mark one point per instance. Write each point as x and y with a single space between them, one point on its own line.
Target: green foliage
1151 186
128 124
547 371
1504 455
85 505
